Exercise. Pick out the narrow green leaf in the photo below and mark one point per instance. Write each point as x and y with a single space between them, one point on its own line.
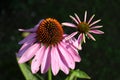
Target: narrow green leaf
27 72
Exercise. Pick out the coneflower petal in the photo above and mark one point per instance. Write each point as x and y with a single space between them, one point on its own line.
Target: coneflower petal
74 19
36 62
94 27
71 35
94 22
96 31
91 18
68 24
90 36
29 53
84 39
55 60
85 16
28 38
45 65
77 17
24 47
80 39
65 55
62 63
29 30
74 53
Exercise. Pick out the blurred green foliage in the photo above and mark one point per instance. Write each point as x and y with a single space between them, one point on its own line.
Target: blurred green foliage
100 59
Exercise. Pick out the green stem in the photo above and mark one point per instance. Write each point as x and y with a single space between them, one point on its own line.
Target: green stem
49 74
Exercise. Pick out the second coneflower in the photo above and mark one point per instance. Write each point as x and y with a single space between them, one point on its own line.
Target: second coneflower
47 47
84 28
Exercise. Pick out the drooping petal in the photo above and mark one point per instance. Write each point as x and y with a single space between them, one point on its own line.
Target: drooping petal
94 22
71 35
84 40
28 38
74 43
36 62
32 29
91 18
80 46
25 46
90 36
45 65
29 53
62 64
77 18
29 30
66 56
80 39
36 26
23 49
94 27
85 16
74 19
55 60
74 53
96 31
68 24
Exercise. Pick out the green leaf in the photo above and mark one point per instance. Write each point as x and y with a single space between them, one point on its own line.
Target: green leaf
77 74
27 72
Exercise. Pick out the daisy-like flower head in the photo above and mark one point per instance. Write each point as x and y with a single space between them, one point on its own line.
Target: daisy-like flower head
47 47
84 28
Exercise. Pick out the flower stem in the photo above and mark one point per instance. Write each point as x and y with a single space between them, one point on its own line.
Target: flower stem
49 74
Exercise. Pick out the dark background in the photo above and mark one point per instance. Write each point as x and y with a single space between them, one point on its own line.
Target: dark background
100 59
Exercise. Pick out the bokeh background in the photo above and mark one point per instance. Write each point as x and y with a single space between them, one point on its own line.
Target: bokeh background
100 59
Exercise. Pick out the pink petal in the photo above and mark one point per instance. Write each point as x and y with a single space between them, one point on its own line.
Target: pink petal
29 53
80 39
74 53
77 18
66 56
29 37
77 46
94 27
36 26
71 35
91 19
85 16
90 36
54 60
45 65
36 62
84 40
94 22
31 29
68 24
80 46
96 31
74 19
74 43
24 47
62 64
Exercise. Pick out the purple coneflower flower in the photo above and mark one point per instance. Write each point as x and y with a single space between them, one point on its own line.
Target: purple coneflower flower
84 28
47 47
